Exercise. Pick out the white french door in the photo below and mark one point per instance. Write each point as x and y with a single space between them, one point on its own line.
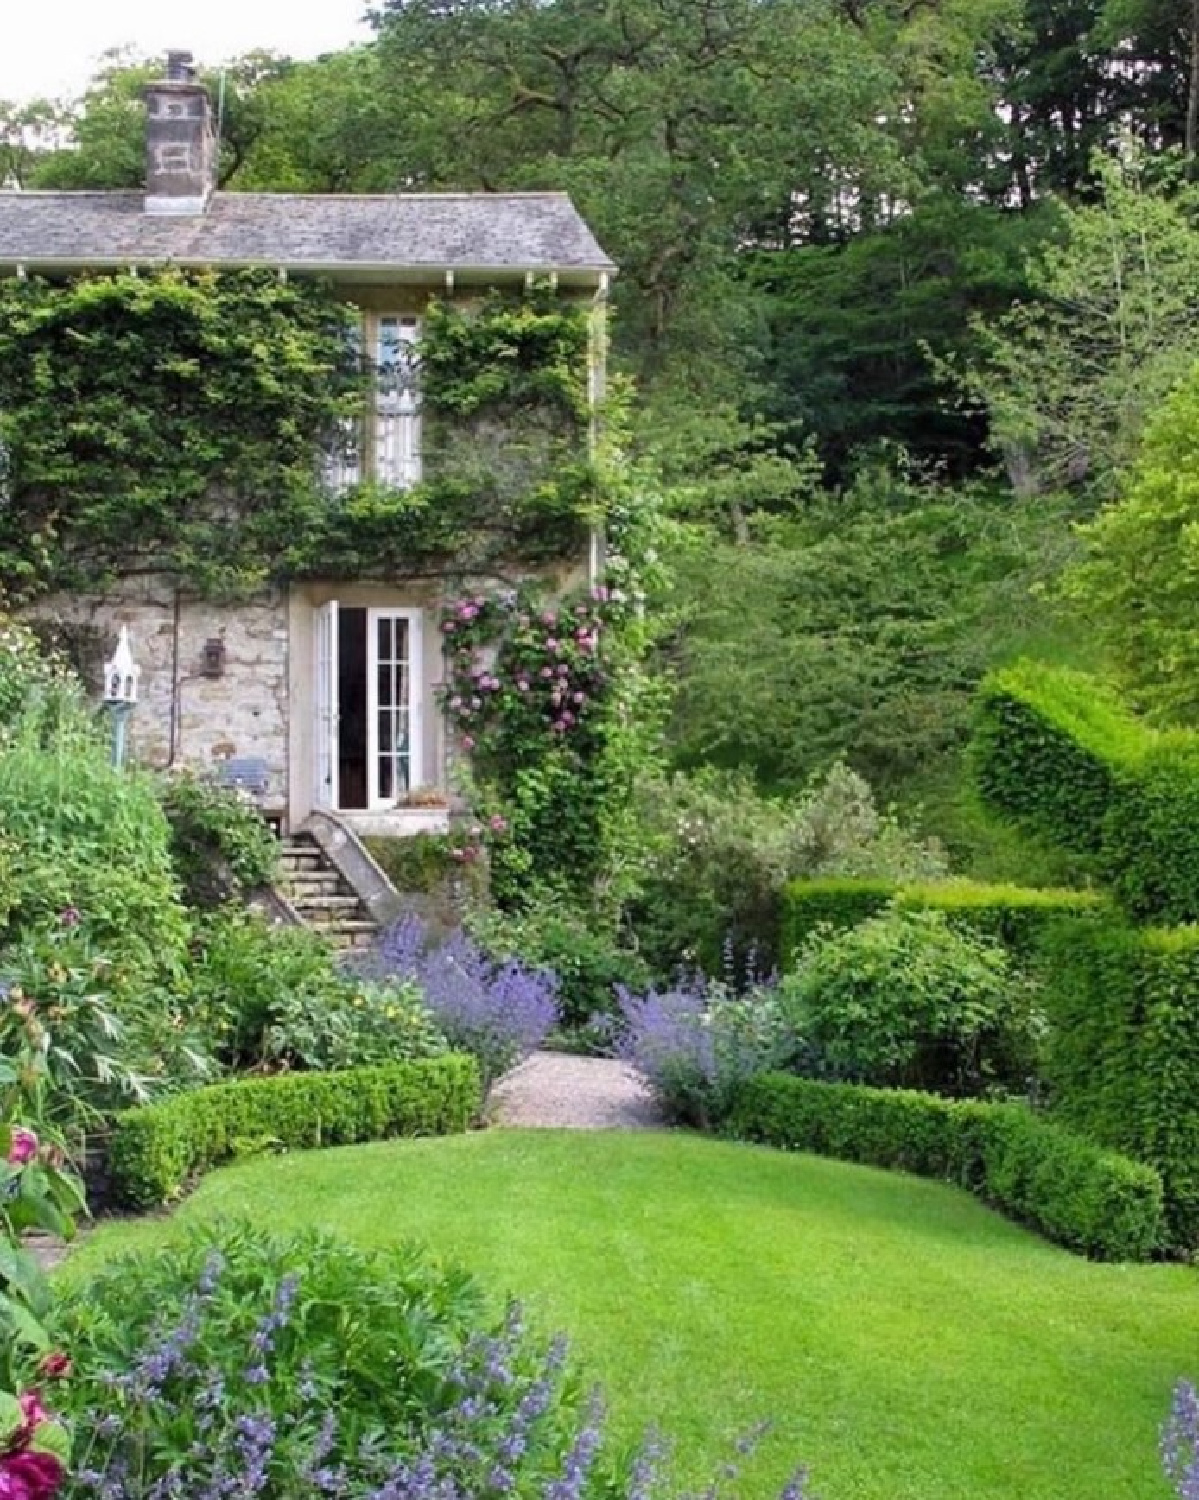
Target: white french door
394 706
325 656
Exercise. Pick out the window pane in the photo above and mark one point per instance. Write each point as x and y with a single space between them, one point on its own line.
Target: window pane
386 777
385 639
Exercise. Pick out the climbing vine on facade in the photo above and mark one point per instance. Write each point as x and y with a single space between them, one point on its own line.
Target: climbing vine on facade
176 421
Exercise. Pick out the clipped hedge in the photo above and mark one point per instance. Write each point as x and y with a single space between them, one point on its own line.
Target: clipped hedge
1037 1171
153 1151
1049 750
1015 916
1122 1059
1056 752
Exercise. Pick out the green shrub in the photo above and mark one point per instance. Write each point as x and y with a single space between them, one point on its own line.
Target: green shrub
723 853
1122 1061
588 961
154 1151
220 846
273 997
1068 1188
906 999
1015 916
94 839
1050 749
422 863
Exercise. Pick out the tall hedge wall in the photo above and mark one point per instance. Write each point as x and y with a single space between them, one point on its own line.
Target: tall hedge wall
1016 916
1122 1058
1057 752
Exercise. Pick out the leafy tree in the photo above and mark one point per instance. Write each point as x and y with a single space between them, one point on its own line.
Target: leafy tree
1068 377
1137 584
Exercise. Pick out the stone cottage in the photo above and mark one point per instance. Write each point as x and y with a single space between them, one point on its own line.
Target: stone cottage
326 686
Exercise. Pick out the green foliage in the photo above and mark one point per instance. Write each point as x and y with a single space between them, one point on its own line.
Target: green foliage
722 855
907 1000
421 863
221 848
551 702
586 958
171 418
1136 582
1058 752
83 1034
1072 1191
1017 917
272 997
34 687
154 1151
874 618
1050 750
91 839
1122 1062
1069 377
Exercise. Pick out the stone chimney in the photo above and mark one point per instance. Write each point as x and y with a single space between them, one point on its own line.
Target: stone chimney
181 148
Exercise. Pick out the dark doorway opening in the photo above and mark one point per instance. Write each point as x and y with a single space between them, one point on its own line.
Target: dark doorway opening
351 702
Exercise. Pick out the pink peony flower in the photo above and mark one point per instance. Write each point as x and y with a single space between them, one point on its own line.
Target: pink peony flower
22 1150
29 1476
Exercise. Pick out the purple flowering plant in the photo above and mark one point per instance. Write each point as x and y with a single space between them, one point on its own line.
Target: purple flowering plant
1180 1442
695 1042
238 1365
500 1011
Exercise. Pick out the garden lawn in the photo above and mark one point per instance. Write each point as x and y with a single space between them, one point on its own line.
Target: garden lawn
903 1340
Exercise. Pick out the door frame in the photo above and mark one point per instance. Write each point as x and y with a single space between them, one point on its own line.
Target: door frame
414 618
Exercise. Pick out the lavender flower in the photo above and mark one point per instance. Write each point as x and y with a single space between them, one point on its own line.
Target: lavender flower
499 1012
1180 1442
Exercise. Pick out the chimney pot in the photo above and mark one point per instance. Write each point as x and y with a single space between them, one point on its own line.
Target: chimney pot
181 150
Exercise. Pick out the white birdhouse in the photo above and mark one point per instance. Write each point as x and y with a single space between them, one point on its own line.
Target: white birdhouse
121 673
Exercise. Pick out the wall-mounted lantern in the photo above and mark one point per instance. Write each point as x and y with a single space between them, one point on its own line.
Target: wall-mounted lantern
121 677
214 657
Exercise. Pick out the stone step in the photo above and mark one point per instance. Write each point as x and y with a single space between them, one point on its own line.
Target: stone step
292 863
345 935
300 884
327 908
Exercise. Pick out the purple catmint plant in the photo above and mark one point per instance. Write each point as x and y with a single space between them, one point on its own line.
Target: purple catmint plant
499 1011
696 1043
1180 1442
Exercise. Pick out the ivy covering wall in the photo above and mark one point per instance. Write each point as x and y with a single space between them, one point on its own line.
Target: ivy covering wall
177 421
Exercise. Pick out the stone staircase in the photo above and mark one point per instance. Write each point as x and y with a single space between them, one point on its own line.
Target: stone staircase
321 896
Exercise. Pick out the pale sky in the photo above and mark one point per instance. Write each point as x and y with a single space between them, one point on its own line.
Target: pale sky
51 46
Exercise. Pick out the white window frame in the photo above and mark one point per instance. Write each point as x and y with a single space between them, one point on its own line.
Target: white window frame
414 620
396 434
326 708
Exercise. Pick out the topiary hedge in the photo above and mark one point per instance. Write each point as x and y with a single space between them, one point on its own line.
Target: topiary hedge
1122 1059
1015 916
155 1150
1057 752
1034 1170
1049 750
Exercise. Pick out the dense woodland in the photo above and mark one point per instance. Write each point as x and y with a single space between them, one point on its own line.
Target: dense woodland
901 287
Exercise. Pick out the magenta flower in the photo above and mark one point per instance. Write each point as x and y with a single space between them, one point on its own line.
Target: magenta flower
29 1476
22 1147
70 916
498 824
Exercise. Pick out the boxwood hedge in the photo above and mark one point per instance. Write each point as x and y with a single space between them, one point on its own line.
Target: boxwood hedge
1015 916
1070 1189
155 1150
1122 1056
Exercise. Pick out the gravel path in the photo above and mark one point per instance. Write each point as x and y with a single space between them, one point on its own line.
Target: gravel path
578 1093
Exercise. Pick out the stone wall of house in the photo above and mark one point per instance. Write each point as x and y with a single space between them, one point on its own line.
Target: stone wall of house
185 715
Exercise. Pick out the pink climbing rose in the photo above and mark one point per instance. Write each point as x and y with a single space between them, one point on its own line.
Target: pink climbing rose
22 1147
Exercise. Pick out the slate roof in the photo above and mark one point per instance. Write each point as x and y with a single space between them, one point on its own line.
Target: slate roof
539 232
